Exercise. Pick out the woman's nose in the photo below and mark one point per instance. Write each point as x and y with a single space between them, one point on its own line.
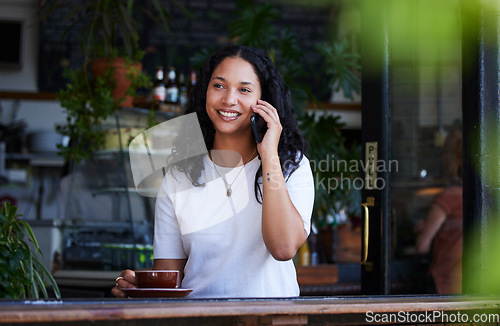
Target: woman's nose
230 98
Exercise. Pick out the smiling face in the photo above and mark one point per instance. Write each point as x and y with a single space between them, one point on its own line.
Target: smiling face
232 89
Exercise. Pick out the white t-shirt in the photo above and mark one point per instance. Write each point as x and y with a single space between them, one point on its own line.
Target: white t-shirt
221 236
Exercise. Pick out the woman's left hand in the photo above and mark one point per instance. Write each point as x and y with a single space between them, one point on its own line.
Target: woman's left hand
269 143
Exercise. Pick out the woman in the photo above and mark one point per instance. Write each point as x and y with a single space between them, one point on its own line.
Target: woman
235 236
442 229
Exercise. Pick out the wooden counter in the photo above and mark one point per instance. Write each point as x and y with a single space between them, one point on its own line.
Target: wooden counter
300 311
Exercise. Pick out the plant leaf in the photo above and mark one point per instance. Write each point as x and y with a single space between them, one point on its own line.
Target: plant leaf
31 235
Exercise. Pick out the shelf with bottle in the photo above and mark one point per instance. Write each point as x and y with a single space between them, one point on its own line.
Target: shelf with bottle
170 94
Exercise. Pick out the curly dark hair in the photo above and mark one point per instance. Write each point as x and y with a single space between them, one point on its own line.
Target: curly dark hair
292 145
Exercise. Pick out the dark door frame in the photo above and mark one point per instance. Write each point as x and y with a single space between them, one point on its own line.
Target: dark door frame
376 113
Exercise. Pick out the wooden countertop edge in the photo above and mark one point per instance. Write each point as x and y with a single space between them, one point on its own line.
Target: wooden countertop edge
53 311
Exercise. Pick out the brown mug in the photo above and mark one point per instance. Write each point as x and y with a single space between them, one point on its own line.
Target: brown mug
157 278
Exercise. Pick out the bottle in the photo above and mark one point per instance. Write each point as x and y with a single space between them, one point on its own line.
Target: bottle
192 80
159 90
183 92
313 245
172 87
304 255
313 249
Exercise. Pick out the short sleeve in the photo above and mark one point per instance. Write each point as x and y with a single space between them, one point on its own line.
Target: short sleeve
167 242
300 186
450 200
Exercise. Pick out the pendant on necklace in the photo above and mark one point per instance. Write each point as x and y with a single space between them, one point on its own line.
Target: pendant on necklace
229 192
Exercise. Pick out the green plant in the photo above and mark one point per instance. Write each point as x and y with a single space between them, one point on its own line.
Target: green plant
86 104
342 63
335 168
87 101
21 272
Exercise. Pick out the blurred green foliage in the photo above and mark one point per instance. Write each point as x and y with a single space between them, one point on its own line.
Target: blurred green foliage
22 275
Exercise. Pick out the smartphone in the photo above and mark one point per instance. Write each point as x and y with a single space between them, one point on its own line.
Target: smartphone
259 127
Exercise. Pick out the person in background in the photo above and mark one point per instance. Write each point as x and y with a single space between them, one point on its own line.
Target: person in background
236 235
442 229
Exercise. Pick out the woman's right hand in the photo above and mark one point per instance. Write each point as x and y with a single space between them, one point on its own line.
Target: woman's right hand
125 280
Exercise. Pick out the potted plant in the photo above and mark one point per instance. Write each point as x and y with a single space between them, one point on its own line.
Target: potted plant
109 37
22 275
343 66
87 101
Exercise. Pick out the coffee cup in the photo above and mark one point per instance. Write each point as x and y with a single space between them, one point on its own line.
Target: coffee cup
157 278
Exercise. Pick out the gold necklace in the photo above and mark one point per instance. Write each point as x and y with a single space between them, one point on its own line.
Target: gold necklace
229 191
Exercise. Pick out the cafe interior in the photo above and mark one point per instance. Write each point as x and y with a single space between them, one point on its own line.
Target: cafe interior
383 90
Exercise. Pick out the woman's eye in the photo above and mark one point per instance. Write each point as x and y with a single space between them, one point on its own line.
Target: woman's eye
218 86
246 90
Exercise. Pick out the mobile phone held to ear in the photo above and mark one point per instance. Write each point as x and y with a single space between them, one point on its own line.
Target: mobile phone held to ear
259 127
